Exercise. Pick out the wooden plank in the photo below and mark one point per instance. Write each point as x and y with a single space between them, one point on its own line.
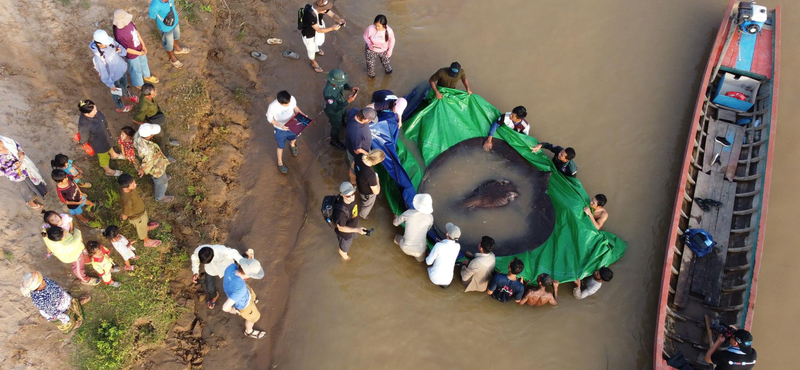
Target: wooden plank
688 259
736 150
713 187
708 155
716 263
728 155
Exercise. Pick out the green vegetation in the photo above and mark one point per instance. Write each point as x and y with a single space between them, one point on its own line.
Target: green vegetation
187 11
8 256
206 8
242 33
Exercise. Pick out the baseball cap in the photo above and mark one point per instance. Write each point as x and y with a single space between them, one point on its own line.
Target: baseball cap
252 268
346 188
453 230
102 37
455 67
149 129
743 338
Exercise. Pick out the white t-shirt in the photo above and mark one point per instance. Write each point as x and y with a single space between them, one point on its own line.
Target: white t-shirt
443 257
281 113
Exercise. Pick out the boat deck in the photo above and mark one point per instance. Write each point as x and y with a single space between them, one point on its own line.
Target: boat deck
751 52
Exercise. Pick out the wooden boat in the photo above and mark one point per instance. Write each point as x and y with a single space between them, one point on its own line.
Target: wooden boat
735 171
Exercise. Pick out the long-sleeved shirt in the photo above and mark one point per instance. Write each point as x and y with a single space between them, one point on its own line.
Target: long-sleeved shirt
417 226
592 286
52 301
108 63
568 168
94 130
145 109
477 274
522 126
132 204
376 40
223 257
154 162
442 259
335 100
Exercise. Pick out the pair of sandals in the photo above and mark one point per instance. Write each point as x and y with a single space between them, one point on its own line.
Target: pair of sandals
270 41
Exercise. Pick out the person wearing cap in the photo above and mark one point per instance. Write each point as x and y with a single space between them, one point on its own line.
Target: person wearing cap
148 111
128 37
336 102
93 129
387 101
154 162
740 355
241 298
165 14
52 301
449 77
514 120
313 29
418 221
345 216
563 158
443 257
358 136
108 62
476 271
216 258
134 211
367 180
279 113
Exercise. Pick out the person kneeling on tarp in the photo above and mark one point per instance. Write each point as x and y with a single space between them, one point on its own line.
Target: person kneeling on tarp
418 221
514 120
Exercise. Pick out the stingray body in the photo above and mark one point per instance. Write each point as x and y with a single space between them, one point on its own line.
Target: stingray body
491 194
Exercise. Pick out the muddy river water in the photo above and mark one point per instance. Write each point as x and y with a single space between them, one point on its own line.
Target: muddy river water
614 79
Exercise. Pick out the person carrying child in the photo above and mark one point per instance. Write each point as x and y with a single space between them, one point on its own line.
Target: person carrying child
69 194
102 263
53 218
123 246
62 162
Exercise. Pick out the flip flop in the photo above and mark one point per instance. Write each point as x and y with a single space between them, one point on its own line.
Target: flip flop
283 169
320 53
211 305
36 206
155 243
85 185
318 69
116 173
295 151
290 54
92 281
274 41
152 225
177 64
183 51
255 334
167 199
258 55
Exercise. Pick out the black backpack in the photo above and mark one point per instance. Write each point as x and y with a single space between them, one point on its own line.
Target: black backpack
301 14
328 205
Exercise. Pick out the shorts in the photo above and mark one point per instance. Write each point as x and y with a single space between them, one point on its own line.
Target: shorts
169 38
345 244
311 47
104 158
77 210
282 136
140 223
250 313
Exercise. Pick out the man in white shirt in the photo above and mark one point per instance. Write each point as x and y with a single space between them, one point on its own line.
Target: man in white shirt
514 120
604 274
215 258
443 257
280 112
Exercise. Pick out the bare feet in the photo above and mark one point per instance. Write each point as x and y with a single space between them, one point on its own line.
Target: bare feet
344 255
84 299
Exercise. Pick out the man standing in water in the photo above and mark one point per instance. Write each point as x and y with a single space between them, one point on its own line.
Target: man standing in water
539 296
345 216
562 158
336 103
477 272
514 120
449 77
443 257
418 221
593 284
596 212
505 287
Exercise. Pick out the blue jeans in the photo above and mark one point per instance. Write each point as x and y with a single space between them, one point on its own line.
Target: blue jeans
160 186
139 70
122 83
169 37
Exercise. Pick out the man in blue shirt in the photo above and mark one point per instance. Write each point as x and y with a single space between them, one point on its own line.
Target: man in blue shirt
505 287
166 17
241 298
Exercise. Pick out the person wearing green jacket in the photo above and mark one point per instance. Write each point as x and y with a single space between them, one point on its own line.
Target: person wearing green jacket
336 102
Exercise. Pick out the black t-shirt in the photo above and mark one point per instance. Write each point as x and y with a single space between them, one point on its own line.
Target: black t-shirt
731 361
309 19
357 135
504 289
348 218
365 176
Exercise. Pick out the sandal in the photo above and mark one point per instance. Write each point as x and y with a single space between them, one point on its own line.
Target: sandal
85 185
320 52
283 169
258 55
317 69
167 199
290 54
255 334
151 79
274 41
177 64
183 51
295 151
116 173
91 281
153 243
35 206
84 300
132 268
152 225
211 305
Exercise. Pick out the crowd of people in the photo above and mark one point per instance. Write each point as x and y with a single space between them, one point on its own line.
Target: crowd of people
145 144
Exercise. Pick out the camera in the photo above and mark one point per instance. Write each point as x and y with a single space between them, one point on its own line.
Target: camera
369 231
721 329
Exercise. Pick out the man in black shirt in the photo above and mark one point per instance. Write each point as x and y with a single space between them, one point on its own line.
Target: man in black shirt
358 136
562 158
739 355
313 29
345 216
367 179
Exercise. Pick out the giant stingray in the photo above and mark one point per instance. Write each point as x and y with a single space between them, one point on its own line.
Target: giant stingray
490 196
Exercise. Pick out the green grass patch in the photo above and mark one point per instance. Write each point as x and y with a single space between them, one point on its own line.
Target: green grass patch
187 9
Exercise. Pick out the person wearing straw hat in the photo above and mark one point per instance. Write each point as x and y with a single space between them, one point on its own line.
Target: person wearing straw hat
107 59
128 37
53 302
418 221
154 162
241 298
22 172
345 216
367 180
443 257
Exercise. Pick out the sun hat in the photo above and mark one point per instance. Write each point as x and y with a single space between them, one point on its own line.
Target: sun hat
102 37
122 18
453 230
149 129
423 203
252 268
30 282
455 67
346 188
337 77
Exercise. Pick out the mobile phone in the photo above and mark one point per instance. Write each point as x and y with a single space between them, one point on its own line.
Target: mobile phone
369 231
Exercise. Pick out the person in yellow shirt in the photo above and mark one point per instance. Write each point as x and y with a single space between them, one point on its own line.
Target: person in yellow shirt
102 263
69 248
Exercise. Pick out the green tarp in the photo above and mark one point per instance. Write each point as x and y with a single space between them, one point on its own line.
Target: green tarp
575 249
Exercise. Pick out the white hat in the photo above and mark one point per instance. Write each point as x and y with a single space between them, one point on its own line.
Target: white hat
453 230
149 129
423 203
252 268
122 18
102 37
346 188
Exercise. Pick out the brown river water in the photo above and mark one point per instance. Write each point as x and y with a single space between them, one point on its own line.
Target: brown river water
616 80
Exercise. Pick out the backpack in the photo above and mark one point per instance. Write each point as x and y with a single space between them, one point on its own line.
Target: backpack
328 205
301 14
699 241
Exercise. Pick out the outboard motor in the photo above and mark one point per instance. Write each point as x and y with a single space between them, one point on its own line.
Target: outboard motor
751 17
